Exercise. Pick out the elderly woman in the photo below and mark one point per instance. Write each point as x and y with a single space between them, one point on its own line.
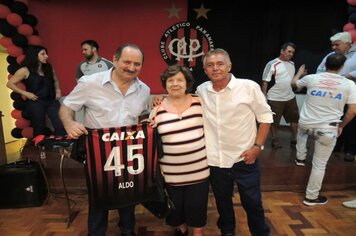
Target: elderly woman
179 122
42 90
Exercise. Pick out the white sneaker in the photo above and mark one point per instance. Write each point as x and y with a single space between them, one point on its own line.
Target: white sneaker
350 204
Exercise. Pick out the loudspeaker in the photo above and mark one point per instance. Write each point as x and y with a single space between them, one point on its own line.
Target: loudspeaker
22 184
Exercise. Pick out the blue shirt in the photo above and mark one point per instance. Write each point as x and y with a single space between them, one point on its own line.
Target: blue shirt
104 104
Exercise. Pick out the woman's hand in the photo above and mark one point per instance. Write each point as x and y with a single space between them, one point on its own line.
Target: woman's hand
30 96
58 94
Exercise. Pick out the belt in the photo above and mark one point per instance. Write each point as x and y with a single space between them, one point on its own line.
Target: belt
333 123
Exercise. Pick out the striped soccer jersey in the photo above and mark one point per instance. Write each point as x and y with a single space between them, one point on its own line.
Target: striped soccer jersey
121 165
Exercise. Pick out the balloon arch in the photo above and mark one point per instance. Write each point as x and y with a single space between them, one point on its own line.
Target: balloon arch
18 30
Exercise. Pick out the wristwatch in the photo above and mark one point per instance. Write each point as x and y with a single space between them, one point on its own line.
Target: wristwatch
260 146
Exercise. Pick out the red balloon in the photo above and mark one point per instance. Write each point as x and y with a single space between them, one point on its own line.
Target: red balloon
20 58
16 114
349 26
14 51
21 85
353 35
25 29
351 2
4 11
22 123
14 19
27 132
6 42
34 40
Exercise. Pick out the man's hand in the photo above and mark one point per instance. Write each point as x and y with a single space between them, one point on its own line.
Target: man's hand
250 155
75 129
157 100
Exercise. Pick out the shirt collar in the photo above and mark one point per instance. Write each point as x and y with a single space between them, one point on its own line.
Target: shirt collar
232 84
107 78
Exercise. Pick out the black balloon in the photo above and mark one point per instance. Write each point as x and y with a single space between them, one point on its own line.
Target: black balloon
6 2
19 8
6 29
352 18
30 19
25 114
35 32
19 104
12 68
15 96
16 133
351 9
20 40
11 59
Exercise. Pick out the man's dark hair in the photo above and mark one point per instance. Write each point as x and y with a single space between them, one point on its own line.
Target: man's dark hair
290 44
91 42
118 51
335 61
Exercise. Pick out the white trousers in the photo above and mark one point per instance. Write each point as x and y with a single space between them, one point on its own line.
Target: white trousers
325 140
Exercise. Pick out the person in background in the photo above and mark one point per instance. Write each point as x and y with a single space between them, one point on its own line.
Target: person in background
117 98
93 63
327 94
231 107
276 86
42 90
342 43
179 121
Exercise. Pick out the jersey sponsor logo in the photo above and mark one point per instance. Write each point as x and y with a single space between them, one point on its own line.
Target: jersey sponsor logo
326 94
329 82
107 137
184 42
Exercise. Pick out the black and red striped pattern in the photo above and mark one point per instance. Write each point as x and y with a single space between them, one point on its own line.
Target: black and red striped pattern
132 178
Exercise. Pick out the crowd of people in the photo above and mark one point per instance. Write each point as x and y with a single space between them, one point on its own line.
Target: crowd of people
213 135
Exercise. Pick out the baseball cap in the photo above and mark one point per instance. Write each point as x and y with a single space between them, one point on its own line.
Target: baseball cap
343 36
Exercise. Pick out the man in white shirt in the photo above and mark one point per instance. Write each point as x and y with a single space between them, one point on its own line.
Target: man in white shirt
116 98
231 107
327 94
342 43
276 79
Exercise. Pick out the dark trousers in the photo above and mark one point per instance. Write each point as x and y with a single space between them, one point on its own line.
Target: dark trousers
98 220
350 137
247 178
38 110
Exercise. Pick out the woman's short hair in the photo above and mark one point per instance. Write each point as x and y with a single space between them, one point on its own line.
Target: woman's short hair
175 69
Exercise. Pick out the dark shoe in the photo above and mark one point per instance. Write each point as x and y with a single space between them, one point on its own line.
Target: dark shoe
299 162
349 157
228 234
128 234
178 232
321 200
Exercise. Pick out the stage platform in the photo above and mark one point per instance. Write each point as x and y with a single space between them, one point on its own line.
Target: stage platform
278 170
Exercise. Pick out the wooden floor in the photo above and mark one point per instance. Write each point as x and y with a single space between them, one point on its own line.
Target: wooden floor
286 215
283 185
